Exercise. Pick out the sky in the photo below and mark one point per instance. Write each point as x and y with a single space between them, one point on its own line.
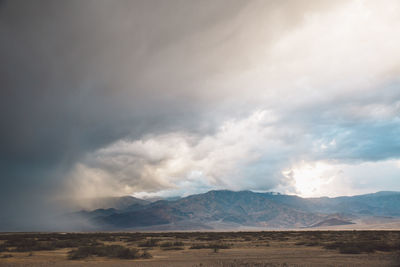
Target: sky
171 98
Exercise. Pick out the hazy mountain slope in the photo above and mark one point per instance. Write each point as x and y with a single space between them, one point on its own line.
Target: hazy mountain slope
331 222
381 203
227 207
243 207
119 203
246 208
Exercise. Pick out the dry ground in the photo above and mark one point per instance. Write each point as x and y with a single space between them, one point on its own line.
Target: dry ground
286 248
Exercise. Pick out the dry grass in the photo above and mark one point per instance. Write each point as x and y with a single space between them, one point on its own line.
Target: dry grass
311 248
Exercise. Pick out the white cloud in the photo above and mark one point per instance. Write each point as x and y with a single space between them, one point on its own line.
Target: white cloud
178 161
324 85
324 178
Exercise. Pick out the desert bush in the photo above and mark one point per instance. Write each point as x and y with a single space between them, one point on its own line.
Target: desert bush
166 244
111 251
26 245
309 243
210 237
171 244
220 246
80 253
351 249
146 255
199 246
149 243
33 245
212 246
173 248
3 248
6 256
134 238
356 247
74 243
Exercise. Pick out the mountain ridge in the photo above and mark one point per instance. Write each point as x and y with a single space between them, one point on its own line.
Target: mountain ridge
225 208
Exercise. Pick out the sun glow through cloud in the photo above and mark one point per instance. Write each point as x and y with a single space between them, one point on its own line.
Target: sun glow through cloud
311 179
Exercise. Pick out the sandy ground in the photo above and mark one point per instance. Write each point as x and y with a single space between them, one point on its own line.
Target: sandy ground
280 248
262 256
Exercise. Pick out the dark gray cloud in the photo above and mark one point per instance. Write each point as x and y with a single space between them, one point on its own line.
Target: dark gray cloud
73 79
72 72
80 78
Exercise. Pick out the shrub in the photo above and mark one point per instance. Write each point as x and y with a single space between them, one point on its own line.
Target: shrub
3 248
198 246
212 246
352 250
30 244
219 246
149 243
173 248
210 237
171 244
356 247
146 255
6 256
111 251
312 243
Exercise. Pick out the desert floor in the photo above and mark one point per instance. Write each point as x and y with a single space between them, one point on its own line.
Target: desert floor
284 248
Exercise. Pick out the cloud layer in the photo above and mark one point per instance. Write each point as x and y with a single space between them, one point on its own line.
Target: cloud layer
148 97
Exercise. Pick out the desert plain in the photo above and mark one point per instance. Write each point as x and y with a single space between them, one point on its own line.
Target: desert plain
255 248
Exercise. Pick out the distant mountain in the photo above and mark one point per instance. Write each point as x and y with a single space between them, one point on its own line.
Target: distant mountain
119 203
331 222
229 209
381 203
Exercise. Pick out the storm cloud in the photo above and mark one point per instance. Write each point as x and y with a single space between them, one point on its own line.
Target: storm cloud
174 97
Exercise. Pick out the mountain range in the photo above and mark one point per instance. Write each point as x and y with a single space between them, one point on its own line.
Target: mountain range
223 209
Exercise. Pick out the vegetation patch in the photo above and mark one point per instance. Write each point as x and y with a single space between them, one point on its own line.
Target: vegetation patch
29 244
6 256
149 243
111 251
3 248
212 246
173 248
171 244
308 243
357 247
